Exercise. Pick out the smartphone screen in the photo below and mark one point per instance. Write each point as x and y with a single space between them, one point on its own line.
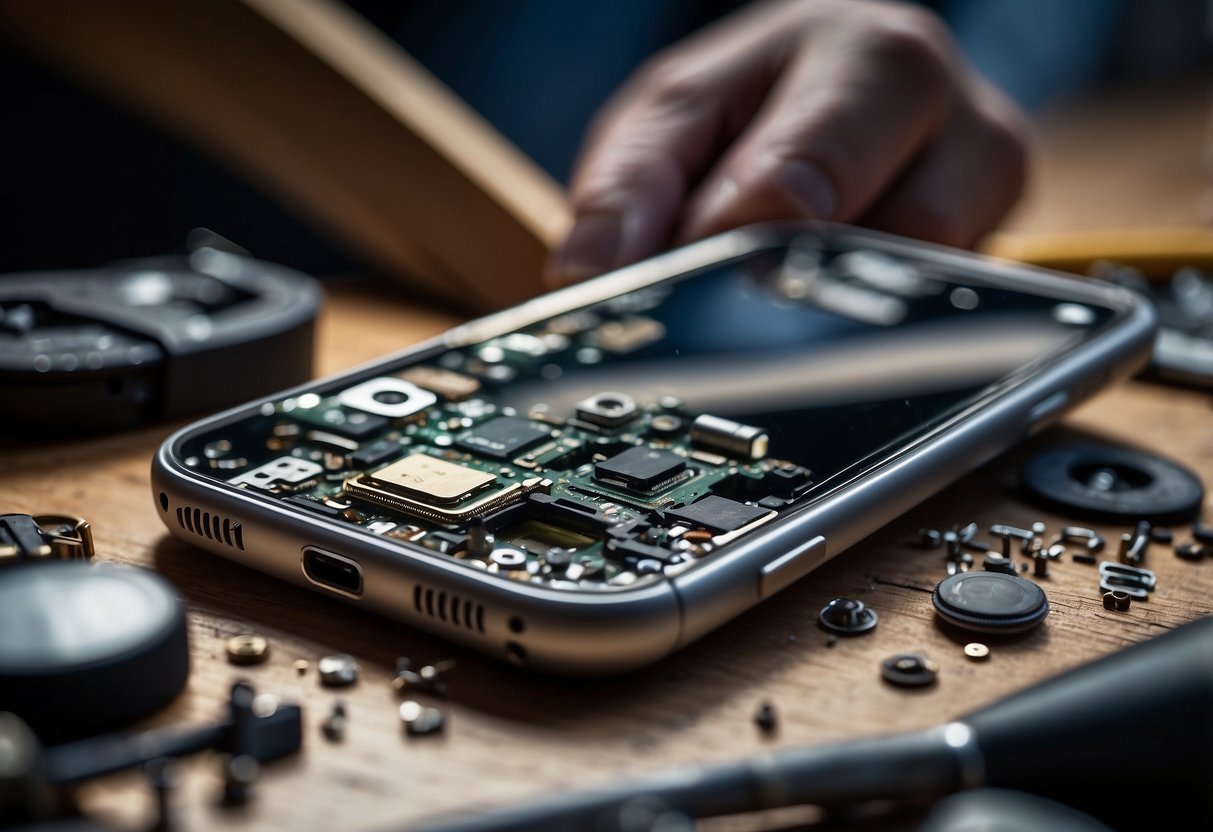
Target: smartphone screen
627 439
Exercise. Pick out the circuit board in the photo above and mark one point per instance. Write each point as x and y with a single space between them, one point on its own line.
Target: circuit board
612 493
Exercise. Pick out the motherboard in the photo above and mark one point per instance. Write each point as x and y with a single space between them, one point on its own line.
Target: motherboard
599 495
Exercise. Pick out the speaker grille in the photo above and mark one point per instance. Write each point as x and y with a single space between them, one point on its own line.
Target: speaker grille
448 608
211 526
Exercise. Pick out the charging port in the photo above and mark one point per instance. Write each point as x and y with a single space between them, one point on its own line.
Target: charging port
332 571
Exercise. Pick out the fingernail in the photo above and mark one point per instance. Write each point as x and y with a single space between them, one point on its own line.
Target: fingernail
805 184
591 248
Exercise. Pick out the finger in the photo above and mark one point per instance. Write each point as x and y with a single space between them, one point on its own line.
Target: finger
964 183
847 116
656 138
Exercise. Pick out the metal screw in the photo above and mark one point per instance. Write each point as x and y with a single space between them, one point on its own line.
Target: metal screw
339 670
247 649
1118 601
766 719
334 724
419 720
847 616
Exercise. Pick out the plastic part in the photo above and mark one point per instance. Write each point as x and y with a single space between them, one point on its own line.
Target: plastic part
990 602
88 647
1114 485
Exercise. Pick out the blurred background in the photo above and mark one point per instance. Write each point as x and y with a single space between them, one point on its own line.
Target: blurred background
1120 88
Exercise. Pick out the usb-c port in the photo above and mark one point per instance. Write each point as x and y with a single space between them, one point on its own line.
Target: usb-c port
332 572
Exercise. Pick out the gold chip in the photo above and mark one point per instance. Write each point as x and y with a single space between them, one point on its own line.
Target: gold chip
432 479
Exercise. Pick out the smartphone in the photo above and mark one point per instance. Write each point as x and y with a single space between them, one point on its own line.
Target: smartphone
593 479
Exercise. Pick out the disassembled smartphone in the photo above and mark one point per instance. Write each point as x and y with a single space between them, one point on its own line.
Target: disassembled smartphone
593 479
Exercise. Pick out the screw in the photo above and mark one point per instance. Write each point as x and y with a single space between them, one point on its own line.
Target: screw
766 719
247 649
334 724
847 616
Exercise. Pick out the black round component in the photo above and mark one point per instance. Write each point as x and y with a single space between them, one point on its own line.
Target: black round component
909 670
86 647
990 602
847 617
1114 485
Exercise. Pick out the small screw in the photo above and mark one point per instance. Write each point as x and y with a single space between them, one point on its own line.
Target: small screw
339 670
847 617
301 666
766 719
909 670
334 724
977 651
247 649
419 720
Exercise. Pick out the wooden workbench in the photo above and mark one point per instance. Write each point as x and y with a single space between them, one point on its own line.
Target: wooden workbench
512 734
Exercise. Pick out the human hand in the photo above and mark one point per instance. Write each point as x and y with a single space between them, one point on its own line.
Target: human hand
827 109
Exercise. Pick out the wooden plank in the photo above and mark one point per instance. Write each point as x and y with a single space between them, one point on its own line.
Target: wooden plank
325 113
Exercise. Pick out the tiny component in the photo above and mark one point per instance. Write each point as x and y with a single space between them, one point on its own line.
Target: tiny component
1116 600
847 616
961 564
504 437
1055 552
346 424
1038 528
990 602
509 559
998 563
787 480
1133 547
607 410
479 541
1003 530
666 425
640 468
248 649
1160 534
446 383
977 651
909 670
766 719
1191 550
720 514
738 441
1040 566
433 480
301 666
334 724
339 670
930 538
23 537
1084 557
391 398
1139 583
419 720
285 470
375 454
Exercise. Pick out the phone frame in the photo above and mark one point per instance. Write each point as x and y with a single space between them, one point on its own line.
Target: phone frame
596 633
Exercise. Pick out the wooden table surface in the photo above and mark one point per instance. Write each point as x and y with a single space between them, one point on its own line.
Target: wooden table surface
512 734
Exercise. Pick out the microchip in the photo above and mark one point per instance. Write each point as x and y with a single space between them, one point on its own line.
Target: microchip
503 437
640 468
719 514
432 480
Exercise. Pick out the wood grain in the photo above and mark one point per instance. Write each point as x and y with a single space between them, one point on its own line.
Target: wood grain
512 735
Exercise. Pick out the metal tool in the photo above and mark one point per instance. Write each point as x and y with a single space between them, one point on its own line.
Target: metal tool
1163 697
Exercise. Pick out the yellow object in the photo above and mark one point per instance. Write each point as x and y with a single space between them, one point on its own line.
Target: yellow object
1156 252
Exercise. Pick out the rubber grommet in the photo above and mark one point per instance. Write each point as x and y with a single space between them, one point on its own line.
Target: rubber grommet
990 602
87 647
1114 485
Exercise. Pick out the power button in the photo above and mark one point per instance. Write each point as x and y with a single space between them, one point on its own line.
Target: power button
791 566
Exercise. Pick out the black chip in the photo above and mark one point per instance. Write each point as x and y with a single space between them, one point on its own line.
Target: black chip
503 437
718 514
640 468
375 454
352 424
